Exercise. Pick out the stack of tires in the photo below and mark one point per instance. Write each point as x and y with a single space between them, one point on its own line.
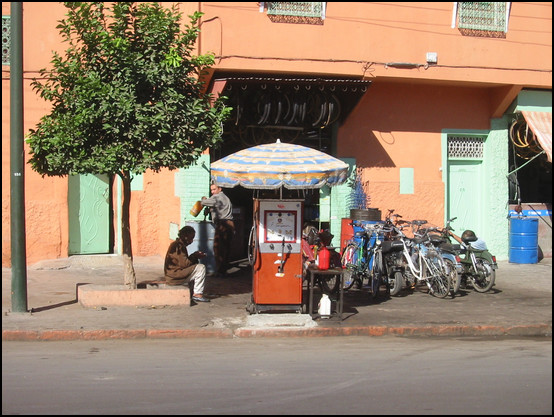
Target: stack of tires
371 214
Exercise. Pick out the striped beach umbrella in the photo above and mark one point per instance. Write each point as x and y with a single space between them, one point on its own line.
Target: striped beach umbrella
276 165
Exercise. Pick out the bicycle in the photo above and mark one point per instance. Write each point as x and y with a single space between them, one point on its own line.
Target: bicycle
439 238
423 263
364 261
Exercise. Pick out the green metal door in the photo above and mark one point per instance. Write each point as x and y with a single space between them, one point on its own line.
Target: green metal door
464 195
89 214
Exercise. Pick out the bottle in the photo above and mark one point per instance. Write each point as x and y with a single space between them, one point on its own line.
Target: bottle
197 208
324 258
324 309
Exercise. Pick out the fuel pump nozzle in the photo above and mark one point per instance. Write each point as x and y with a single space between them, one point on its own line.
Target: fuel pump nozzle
280 269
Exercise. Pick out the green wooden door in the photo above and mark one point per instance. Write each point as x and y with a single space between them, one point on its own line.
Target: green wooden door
89 214
465 195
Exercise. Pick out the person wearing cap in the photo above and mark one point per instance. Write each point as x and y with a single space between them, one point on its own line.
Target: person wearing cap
180 267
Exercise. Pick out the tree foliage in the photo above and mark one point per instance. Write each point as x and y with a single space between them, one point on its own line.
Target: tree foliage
127 96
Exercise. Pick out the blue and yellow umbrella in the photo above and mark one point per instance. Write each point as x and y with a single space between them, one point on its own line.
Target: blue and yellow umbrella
276 165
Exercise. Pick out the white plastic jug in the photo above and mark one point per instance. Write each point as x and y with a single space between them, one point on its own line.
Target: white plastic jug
324 307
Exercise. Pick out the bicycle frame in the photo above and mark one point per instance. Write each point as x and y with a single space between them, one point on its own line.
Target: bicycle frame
430 269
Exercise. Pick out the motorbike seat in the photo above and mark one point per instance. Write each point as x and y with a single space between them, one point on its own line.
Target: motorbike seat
392 246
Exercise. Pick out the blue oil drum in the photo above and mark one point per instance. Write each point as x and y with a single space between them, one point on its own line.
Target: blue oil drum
204 242
524 240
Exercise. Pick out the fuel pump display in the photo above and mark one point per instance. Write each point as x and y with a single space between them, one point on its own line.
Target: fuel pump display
277 268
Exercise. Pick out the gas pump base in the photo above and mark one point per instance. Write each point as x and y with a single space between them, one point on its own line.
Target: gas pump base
254 308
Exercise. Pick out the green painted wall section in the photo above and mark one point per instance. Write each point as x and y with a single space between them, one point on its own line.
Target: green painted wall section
340 197
324 204
191 184
532 100
495 165
406 180
137 182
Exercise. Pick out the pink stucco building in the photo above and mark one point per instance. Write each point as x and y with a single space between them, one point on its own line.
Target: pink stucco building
427 101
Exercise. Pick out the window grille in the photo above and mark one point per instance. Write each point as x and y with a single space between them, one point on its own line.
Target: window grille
475 17
6 39
295 8
465 147
301 8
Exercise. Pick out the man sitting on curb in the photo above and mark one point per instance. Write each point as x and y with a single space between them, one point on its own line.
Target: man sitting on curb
180 267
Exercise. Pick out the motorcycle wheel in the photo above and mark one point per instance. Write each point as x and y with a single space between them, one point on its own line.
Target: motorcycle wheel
395 283
483 281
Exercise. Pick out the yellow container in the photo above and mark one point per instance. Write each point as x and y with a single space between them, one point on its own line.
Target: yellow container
196 209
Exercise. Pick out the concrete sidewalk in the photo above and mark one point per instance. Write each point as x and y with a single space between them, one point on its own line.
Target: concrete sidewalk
520 304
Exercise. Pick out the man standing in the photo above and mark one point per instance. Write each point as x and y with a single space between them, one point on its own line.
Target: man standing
180 267
221 210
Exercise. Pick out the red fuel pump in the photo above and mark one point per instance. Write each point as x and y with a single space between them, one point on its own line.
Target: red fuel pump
277 256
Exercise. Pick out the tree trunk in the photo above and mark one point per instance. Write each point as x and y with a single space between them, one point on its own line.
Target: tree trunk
130 279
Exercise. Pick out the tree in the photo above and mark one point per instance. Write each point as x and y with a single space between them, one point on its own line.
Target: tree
127 96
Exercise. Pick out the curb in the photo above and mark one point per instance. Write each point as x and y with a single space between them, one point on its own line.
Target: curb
534 330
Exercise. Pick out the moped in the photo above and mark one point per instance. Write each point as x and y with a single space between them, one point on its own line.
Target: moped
478 267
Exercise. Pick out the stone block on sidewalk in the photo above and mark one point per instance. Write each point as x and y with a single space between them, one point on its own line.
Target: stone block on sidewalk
90 295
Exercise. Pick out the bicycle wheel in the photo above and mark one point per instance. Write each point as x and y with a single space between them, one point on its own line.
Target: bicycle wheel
349 260
455 278
439 281
484 280
350 278
376 274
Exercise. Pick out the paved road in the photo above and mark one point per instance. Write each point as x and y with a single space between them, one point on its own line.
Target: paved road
334 375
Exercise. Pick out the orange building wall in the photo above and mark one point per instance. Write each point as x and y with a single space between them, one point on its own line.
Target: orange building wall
356 33
418 114
400 116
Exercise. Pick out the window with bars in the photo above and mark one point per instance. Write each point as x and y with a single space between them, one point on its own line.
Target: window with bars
478 18
6 23
295 11
467 147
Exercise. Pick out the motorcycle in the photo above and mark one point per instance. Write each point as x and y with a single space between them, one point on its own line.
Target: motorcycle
477 267
392 249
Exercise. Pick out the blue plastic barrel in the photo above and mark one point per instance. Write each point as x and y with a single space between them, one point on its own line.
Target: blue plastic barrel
524 240
203 241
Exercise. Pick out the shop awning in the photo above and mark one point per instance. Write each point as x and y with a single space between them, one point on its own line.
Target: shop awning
541 125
